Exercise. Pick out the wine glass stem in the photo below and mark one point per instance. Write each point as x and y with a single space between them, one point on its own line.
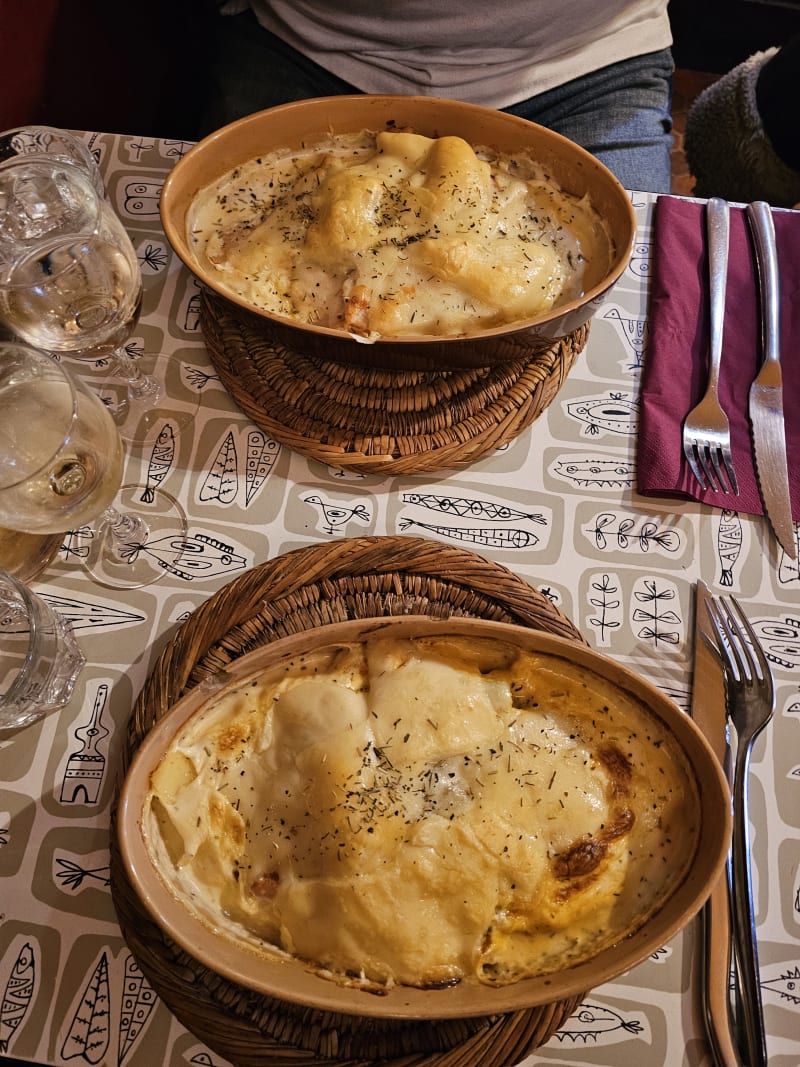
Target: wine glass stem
126 533
140 386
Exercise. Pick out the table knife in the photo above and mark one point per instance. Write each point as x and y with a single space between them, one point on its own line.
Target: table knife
766 392
709 710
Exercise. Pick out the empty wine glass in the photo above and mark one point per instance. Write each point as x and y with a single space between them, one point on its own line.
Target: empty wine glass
61 465
70 281
48 143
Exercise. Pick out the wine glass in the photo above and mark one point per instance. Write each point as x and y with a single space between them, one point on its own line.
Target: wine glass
70 281
61 465
48 143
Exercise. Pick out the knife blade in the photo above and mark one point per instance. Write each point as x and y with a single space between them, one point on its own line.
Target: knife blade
709 711
766 392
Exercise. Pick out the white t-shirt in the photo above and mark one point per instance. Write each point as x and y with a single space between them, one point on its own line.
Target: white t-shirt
494 54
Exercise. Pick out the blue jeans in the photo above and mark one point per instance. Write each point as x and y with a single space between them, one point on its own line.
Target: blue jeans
620 113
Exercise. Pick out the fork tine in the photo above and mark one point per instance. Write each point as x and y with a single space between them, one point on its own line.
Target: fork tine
692 452
727 459
718 613
714 460
758 658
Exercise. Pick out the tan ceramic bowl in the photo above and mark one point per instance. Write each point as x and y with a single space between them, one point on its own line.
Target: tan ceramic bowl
292 980
308 121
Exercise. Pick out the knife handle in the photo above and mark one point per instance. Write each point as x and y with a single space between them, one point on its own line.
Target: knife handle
763 229
716 966
718 236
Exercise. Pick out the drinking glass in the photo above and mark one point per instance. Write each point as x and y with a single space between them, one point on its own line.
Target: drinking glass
61 464
48 143
70 281
39 658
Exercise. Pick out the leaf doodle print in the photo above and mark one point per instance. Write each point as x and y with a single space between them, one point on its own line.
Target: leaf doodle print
497 537
628 533
138 1001
262 452
222 480
656 617
90 1031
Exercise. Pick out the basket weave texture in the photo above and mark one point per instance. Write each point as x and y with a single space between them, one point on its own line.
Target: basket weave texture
349 579
379 420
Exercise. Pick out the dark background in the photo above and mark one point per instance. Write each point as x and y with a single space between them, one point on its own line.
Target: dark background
137 68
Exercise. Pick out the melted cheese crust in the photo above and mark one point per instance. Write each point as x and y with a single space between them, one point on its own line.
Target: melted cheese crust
424 811
397 234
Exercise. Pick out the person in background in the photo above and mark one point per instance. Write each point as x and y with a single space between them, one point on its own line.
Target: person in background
742 137
599 73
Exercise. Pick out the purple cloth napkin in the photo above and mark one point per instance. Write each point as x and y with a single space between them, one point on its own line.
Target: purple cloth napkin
676 359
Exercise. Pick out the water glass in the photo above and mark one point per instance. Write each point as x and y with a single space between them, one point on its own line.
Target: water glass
39 658
49 143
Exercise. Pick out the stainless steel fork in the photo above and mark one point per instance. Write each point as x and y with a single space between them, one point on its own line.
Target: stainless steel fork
750 694
706 430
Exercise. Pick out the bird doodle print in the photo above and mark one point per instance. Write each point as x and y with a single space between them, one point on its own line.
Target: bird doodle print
633 330
334 516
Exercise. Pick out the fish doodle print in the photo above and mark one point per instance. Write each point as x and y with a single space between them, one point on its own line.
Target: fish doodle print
787 986
780 641
608 530
195 556
469 507
84 615
17 995
593 1023
89 1033
595 471
729 544
613 414
162 457
510 537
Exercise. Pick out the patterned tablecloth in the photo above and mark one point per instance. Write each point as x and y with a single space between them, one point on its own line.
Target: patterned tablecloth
621 566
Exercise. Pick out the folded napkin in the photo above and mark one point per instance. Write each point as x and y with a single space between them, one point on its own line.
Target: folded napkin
675 368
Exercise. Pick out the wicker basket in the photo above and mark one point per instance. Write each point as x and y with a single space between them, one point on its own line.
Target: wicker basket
379 420
351 578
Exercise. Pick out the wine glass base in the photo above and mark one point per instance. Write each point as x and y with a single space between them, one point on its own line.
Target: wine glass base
134 560
140 413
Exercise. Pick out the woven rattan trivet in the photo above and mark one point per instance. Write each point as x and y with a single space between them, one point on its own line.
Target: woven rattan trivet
377 420
352 578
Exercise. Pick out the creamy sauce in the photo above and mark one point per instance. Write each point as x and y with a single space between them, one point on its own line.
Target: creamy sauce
397 234
424 812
